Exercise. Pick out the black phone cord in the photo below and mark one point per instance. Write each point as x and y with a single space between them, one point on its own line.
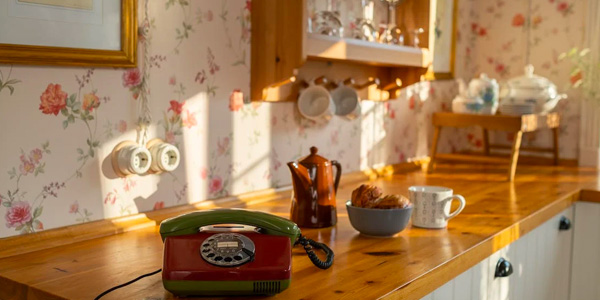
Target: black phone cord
126 284
309 244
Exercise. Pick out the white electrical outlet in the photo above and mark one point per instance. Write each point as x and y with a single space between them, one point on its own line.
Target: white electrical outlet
165 157
129 158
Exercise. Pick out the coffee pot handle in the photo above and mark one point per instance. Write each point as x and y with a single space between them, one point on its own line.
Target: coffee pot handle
338 173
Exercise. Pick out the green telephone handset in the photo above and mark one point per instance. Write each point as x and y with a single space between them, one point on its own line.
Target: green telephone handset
190 223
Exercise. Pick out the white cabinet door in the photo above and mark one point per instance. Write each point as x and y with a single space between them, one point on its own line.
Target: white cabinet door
585 283
541 269
470 285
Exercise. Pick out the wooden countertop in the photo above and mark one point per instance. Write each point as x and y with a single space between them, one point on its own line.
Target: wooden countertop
408 266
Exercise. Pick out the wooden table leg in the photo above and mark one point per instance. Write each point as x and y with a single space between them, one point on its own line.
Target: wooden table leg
434 144
555 132
486 142
514 156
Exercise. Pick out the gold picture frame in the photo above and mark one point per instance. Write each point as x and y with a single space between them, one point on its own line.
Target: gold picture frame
431 74
62 56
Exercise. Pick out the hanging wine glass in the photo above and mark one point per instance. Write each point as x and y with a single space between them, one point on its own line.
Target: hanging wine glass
364 29
327 22
416 33
392 34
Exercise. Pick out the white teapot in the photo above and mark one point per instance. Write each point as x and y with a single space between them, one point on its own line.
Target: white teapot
533 90
487 89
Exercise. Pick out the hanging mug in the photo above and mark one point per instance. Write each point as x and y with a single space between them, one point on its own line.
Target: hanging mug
315 103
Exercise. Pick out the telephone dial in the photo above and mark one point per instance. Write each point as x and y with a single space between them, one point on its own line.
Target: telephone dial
232 252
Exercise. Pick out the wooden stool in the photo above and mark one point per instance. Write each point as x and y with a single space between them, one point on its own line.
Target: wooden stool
516 124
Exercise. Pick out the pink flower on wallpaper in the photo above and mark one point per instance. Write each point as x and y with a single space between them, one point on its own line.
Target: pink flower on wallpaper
213 67
201 77
474 27
482 32
478 143
411 102
18 214
334 138
38 225
500 68
158 205
273 120
111 198
518 20
170 137
245 33
27 166
537 20
445 106
74 208
90 101
189 119
209 16
121 126
562 6
392 114
249 5
203 173
53 99
222 146
215 185
470 137
128 184
36 155
176 107
172 80
132 78
576 78
236 100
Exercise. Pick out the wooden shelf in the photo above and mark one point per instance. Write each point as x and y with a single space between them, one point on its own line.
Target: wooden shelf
282 51
345 49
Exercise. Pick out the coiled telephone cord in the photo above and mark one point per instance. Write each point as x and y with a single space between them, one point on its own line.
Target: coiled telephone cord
309 244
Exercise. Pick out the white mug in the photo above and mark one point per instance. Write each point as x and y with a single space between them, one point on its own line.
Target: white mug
432 206
315 103
347 102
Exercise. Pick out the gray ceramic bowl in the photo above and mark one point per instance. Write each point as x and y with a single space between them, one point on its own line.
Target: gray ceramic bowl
378 222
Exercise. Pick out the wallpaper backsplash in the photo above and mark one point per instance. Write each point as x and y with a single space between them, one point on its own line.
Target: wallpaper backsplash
59 125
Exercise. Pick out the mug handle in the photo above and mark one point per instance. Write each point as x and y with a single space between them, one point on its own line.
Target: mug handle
462 201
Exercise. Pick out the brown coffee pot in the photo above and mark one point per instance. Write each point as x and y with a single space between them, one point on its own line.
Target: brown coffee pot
313 197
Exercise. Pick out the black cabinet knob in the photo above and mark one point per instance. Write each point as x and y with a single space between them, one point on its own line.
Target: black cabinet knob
503 268
565 223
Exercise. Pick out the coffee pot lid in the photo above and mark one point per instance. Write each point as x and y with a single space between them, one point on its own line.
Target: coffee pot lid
313 158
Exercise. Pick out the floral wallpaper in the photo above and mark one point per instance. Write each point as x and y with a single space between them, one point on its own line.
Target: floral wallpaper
60 124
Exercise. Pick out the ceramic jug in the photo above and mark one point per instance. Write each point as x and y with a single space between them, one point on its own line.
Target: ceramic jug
314 189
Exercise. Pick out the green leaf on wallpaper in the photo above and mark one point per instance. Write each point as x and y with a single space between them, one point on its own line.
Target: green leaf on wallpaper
37 211
95 144
12 173
11 89
90 117
80 151
20 227
6 204
91 152
71 119
65 124
64 112
71 99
